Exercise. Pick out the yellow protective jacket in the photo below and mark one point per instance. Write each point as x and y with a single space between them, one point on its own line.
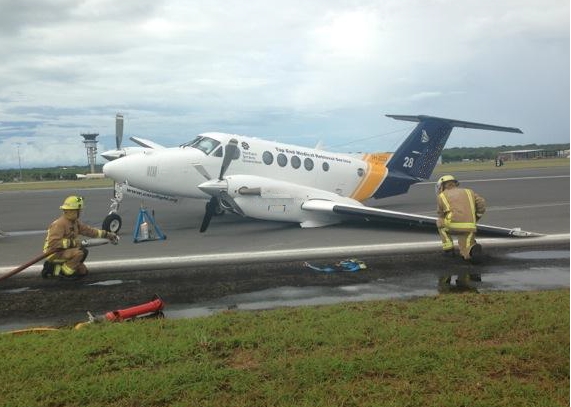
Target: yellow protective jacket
459 209
64 233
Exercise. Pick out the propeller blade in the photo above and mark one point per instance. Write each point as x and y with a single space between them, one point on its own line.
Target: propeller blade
229 153
230 201
210 208
118 130
202 171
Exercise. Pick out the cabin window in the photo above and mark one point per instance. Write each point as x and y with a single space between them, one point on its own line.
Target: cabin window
282 160
360 172
191 142
205 144
325 166
218 152
308 164
295 162
268 158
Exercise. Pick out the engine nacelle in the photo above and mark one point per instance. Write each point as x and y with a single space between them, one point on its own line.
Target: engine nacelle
270 199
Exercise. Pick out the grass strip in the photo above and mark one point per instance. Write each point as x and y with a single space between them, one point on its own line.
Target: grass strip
508 165
498 349
41 185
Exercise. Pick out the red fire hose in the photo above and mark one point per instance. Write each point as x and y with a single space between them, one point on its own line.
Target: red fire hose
28 264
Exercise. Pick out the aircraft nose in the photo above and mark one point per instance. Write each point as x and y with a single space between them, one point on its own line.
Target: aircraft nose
115 170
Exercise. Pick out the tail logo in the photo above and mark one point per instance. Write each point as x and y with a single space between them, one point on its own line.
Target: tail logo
425 138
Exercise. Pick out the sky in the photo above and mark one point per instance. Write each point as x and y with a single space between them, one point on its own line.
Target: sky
302 72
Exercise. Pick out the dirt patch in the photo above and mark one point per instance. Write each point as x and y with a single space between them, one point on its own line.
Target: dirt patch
34 298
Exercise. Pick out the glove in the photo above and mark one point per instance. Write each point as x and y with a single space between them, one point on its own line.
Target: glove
113 238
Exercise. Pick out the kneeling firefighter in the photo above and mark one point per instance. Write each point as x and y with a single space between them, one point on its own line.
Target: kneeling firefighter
458 211
63 238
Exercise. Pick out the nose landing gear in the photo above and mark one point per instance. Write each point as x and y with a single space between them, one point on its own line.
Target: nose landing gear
113 222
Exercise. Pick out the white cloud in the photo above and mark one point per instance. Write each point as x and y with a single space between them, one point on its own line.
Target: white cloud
275 68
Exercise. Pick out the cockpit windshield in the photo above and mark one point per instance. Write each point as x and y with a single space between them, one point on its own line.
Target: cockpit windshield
204 144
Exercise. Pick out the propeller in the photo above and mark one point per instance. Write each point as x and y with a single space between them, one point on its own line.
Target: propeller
230 151
218 189
118 130
210 209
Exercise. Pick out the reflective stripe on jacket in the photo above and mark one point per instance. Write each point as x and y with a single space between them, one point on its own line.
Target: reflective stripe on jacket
460 208
63 233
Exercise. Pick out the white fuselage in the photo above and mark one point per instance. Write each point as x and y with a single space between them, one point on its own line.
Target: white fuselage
173 171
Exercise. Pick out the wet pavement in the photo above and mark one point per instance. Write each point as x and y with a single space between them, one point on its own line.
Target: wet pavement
202 291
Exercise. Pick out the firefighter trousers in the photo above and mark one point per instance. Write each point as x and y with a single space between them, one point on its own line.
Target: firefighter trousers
72 260
466 240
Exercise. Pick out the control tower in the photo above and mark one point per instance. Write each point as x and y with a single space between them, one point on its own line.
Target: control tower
90 141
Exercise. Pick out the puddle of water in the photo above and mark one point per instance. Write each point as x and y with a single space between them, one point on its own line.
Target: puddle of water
500 279
540 255
108 282
16 290
536 278
113 282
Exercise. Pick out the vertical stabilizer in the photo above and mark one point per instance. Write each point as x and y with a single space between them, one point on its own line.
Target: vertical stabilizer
415 159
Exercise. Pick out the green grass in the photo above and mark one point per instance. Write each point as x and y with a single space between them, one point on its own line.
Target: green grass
38 185
508 165
500 349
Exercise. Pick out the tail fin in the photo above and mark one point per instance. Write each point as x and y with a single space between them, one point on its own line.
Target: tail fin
417 156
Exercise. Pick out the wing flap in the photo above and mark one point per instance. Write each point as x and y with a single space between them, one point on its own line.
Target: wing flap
367 212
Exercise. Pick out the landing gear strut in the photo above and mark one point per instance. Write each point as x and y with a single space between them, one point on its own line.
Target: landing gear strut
113 222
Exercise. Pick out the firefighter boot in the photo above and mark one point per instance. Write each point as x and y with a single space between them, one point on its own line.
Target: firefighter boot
48 269
476 256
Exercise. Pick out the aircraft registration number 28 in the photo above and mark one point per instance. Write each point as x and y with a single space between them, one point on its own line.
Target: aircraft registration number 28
408 162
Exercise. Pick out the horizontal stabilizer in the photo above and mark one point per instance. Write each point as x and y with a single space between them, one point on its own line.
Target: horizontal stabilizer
456 123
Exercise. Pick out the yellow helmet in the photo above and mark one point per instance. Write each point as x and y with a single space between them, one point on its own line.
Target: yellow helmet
446 178
442 180
72 202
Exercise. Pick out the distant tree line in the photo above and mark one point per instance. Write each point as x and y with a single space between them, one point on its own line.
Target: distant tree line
44 174
490 153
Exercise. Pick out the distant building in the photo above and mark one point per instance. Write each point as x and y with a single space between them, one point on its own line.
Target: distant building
531 154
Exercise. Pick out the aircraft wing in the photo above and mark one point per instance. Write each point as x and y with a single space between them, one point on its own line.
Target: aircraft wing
366 212
146 143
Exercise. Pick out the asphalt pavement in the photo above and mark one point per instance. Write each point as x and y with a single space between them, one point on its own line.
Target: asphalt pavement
534 200
248 264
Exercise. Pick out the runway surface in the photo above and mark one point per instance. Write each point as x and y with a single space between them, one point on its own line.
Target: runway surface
536 200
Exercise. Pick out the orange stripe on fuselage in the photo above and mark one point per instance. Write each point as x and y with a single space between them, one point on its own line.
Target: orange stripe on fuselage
374 175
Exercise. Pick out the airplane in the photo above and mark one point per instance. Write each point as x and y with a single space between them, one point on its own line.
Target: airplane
282 182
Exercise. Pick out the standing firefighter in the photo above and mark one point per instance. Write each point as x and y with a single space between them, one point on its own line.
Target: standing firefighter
63 236
458 211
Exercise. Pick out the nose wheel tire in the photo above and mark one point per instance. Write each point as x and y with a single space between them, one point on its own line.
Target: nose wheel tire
112 223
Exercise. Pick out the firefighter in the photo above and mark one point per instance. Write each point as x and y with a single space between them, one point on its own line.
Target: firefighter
64 234
458 211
